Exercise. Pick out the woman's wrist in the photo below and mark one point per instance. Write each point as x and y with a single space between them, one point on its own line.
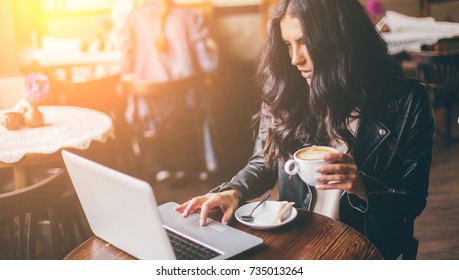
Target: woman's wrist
234 194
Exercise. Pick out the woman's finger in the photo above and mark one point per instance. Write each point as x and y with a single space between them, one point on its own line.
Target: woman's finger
192 205
339 157
337 168
213 202
181 207
228 214
334 186
336 177
205 208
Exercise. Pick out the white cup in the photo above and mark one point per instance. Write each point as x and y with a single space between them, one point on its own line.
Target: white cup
306 160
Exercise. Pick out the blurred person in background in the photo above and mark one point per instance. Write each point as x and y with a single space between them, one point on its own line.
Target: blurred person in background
162 42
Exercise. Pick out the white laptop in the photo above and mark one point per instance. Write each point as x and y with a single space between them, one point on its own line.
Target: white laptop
122 210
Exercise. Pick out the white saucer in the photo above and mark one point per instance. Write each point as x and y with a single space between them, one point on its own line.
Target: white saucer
263 215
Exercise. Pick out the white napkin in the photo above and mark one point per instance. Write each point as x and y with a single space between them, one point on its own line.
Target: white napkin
285 208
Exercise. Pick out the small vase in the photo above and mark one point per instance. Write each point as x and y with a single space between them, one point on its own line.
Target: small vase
33 117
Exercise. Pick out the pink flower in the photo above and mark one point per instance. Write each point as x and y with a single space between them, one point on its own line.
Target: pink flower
37 87
375 8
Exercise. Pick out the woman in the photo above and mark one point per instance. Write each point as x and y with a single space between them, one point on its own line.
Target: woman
166 42
327 79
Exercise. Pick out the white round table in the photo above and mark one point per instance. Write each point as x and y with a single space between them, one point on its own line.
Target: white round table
65 127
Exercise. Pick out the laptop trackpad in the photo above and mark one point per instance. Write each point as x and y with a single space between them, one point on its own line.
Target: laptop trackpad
208 232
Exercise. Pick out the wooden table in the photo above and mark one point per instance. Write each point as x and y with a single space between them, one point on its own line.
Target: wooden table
78 66
52 58
310 236
65 127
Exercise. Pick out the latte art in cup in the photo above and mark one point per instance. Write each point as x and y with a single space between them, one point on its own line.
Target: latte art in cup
314 153
305 162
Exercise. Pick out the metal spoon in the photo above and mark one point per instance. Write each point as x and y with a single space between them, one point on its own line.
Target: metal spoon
248 218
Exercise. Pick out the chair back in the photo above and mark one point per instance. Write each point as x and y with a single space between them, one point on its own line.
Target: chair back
165 98
440 70
19 214
93 92
147 88
173 107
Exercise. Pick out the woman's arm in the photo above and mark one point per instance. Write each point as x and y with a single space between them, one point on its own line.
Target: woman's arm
409 165
255 178
252 181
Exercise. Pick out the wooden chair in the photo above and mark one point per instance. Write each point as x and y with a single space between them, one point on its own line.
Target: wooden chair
173 117
20 212
85 90
440 70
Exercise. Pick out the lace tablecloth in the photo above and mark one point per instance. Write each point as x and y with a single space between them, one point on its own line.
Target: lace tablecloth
65 127
410 33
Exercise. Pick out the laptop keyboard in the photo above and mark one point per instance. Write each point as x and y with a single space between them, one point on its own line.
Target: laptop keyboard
185 249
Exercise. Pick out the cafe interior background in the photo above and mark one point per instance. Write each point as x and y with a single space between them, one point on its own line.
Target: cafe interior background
29 26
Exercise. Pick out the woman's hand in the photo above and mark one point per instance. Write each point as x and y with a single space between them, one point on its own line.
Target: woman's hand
343 173
228 202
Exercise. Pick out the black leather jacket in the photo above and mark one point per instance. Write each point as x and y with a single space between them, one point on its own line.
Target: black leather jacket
393 154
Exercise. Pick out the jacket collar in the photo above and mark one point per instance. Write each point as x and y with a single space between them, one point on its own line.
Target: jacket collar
372 132
370 135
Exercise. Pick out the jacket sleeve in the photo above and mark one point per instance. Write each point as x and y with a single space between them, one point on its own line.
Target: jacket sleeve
406 194
255 178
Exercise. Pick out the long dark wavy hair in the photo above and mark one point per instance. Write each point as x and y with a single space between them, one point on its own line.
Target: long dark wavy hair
352 73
